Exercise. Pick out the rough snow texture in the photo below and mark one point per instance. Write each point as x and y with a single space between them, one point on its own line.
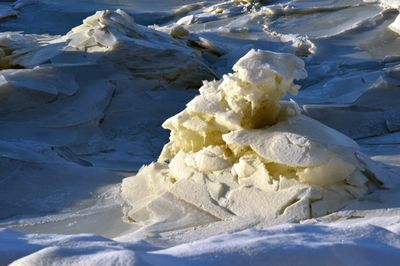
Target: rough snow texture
280 245
238 151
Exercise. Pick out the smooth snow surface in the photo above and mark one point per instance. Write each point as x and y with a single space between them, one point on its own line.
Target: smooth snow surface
279 245
85 88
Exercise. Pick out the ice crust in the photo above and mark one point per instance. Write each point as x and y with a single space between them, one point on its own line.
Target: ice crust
237 150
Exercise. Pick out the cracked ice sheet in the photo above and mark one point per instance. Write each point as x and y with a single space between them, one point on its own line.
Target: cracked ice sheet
337 56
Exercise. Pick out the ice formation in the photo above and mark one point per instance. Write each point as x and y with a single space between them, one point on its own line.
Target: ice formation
237 150
395 26
223 10
64 97
108 36
146 52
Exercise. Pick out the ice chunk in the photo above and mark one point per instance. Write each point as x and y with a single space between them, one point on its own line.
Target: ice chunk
262 68
237 150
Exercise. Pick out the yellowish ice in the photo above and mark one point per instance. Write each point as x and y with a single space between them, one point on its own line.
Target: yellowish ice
239 151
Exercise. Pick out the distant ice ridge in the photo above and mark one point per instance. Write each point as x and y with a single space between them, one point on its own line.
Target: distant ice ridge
144 51
219 11
237 151
110 40
112 35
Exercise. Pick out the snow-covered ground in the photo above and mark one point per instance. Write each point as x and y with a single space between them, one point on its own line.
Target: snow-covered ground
82 103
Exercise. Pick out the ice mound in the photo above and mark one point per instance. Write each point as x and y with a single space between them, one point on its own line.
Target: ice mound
108 36
146 52
237 150
37 69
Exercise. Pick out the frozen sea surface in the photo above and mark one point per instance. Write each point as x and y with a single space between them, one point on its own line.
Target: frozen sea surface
78 113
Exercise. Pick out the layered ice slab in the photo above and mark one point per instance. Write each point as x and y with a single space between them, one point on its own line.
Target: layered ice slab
238 151
105 38
146 52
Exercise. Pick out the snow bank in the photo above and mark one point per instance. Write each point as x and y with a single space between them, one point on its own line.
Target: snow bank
288 245
81 249
238 151
279 245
